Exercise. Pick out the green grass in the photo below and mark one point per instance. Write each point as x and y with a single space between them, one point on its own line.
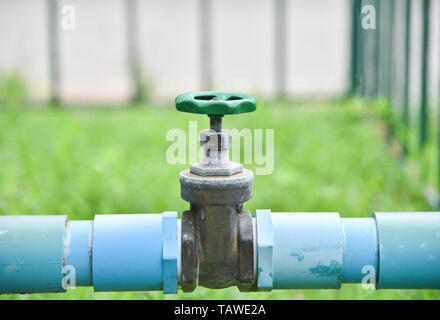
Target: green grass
14 91
328 157
422 163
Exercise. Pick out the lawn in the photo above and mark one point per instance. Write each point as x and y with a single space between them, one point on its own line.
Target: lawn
328 157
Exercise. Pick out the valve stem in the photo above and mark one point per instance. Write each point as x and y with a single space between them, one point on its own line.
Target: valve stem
215 123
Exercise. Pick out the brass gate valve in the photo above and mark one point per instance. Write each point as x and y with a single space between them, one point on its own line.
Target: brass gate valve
217 235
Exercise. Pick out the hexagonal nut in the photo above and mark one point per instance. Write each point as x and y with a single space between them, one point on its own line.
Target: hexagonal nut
228 169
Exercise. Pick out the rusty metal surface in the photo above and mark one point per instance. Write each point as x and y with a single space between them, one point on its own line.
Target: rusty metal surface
217 235
190 181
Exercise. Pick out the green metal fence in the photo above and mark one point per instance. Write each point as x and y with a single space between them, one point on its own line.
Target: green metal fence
381 67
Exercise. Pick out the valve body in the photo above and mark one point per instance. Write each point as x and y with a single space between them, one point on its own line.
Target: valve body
217 234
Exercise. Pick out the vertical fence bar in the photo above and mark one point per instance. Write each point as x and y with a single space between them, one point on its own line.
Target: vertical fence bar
280 47
355 26
391 52
377 47
361 52
424 72
438 136
54 53
131 22
205 18
407 62
369 46
388 50
383 48
407 73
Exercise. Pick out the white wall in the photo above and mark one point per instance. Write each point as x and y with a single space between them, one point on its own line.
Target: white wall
94 56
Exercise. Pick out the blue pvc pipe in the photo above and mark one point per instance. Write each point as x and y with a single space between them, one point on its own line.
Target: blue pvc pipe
31 253
112 253
78 252
170 251
128 252
409 249
307 250
294 250
264 250
360 248
321 250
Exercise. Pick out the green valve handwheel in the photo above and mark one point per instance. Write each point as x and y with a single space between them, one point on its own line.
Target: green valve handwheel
215 104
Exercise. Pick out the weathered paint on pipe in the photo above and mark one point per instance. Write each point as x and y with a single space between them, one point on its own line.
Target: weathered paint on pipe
112 253
31 253
307 250
409 250
360 249
321 250
264 250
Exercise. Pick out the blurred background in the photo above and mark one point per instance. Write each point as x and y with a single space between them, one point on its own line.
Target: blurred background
350 87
